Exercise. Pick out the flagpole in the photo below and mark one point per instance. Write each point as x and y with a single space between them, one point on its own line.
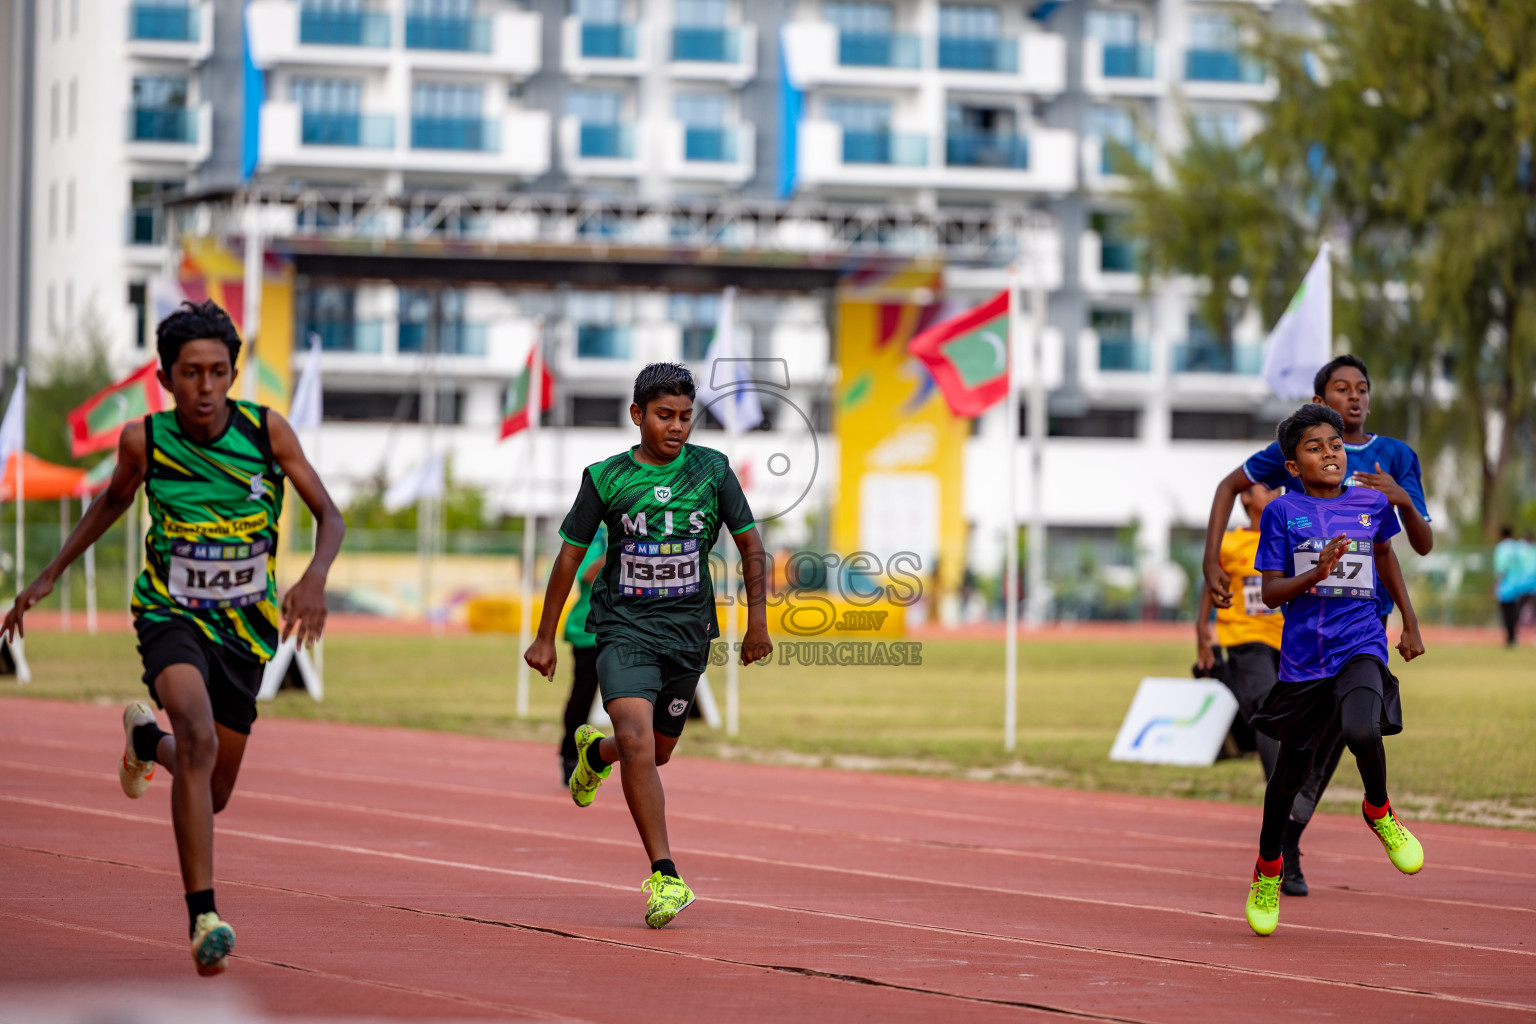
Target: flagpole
533 402
732 626
1011 554
90 578
64 595
1035 608
251 312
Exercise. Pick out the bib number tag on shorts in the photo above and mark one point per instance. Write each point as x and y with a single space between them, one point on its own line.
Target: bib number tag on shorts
658 568
1354 575
1253 598
218 575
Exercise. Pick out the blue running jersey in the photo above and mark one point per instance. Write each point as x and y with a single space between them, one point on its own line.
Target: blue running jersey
1337 619
1267 467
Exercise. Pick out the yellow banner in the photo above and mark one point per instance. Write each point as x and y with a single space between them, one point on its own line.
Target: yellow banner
901 450
212 270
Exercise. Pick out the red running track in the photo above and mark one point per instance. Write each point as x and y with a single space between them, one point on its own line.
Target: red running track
401 874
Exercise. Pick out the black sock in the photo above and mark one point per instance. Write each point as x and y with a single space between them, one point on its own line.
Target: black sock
594 759
666 867
146 738
200 902
1290 843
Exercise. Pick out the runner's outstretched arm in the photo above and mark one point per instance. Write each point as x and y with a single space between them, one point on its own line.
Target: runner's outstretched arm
540 655
754 575
1217 583
304 604
104 511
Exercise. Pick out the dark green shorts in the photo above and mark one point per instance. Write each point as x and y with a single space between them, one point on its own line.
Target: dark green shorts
665 678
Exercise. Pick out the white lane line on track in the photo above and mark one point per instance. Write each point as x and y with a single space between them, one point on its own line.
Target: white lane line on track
864 919
836 833
1104 801
451 997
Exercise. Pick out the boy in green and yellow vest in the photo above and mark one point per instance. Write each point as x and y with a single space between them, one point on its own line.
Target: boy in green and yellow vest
205 608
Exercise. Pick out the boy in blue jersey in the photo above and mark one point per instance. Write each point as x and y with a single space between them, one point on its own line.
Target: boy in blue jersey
1382 463
1324 552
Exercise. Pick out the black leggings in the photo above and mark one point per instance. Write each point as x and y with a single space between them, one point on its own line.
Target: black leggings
1360 723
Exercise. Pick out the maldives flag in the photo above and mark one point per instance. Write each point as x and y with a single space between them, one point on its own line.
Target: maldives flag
968 356
96 424
515 416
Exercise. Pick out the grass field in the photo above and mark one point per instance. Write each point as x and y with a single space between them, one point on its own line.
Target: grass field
1465 754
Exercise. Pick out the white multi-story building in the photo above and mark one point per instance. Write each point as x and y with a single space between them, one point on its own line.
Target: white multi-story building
449 175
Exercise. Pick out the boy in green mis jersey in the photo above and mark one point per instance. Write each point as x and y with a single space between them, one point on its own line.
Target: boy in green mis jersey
653 607
205 607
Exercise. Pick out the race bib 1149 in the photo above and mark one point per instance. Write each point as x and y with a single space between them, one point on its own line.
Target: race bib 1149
217 575
658 568
1354 575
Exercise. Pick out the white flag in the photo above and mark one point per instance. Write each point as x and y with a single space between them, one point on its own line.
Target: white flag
13 429
425 481
1303 339
305 411
727 374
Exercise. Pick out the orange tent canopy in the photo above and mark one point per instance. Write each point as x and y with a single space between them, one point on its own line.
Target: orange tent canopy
41 480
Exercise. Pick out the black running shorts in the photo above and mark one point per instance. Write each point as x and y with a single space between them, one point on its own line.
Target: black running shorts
232 681
665 678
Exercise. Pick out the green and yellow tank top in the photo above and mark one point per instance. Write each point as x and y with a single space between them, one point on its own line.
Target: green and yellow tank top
211 551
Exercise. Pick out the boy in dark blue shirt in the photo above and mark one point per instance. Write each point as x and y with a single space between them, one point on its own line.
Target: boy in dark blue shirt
1343 385
1325 552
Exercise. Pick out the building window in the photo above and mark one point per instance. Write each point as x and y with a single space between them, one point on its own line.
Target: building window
702 13
1212 32
697 315
69 208
74 16
338 95
968 21
53 211
596 411
599 12
859 18
53 112
1114 28
1221 426
74 105
138 298
69 306
146 217
1095 423
1218 126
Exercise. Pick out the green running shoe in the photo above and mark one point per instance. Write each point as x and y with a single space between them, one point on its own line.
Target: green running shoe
668 897
1264 903
584 781
1406 852
212 942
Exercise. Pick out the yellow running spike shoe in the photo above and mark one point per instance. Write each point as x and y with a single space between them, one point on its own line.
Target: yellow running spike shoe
1405 851
212 941
1264 903
584 781
668 897
131 772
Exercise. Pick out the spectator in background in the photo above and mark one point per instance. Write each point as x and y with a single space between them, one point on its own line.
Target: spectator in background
1514 568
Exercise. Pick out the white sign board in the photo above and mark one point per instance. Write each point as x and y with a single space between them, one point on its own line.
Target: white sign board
1175 721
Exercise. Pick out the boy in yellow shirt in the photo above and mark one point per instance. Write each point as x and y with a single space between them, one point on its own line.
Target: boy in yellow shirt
1247 628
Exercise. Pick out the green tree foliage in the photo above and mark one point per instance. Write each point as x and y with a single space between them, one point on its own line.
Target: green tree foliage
1404 130
73 369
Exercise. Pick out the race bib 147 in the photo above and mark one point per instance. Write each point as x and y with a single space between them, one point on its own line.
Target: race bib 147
218 575
1354 575
658 568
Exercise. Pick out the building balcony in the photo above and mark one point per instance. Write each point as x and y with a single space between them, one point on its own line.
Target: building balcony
175 134
715 54
170 31
727 153
516 143
327 128
1213 357
343 28
454 338
975 54
1116 365
360 336
1122 70
1226 75
463 134
589 48
591 149
819 54
504 43
1107 167
1041 160
1108 267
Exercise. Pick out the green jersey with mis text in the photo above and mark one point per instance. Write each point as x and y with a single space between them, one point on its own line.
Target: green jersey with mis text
655 588
211 550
